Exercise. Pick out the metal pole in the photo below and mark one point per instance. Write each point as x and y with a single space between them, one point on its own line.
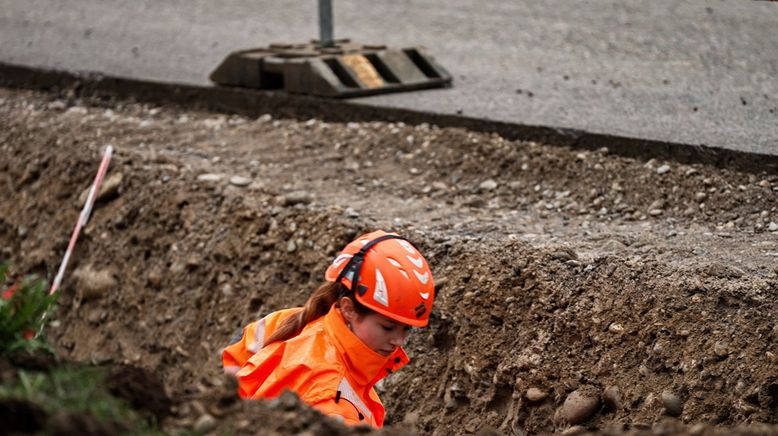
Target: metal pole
325 23
84 216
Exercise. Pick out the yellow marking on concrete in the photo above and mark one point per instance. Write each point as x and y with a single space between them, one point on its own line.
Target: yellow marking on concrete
364 70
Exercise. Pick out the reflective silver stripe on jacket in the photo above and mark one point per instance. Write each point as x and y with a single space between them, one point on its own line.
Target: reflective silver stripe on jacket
347 392
259 337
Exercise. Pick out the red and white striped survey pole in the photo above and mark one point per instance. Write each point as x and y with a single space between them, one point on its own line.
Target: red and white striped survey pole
83 217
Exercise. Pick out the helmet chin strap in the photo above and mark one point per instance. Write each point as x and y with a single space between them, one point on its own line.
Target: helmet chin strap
354 265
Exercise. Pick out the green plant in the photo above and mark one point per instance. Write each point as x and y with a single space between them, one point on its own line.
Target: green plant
77 390
25 308
68 389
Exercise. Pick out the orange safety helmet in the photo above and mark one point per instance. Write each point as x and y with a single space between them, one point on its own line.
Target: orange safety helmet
392 277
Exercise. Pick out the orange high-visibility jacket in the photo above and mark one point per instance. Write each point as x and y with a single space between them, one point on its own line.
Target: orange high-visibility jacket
328 367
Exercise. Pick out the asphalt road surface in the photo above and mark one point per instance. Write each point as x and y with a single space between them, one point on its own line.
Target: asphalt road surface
699 72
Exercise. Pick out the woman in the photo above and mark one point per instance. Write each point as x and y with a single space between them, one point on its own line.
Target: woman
346 338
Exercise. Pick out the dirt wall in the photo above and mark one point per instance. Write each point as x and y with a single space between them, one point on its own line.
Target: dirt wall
577 291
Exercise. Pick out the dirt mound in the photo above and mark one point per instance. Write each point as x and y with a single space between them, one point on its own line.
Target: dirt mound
574 288
50 402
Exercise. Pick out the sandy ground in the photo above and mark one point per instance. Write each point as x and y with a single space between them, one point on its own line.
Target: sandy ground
577 291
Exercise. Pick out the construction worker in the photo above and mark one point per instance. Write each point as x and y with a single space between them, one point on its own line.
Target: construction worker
346 338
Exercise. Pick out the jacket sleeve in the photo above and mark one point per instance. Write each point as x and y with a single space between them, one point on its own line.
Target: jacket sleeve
241 345
251 339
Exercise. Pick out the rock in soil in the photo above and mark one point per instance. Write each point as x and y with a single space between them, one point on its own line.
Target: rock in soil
611 396
535 394
109 189
93 283
673 404
579 406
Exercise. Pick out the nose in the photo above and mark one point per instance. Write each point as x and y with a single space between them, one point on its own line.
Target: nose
398 339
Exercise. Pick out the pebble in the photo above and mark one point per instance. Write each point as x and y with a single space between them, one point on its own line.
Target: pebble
204 423
673 404
612 397
616 328
534 394
723 271
698 429
76 110
240 181
94 283
57 105
773 227
108 189
411 418
155 278
297 197
663 169
439 186
574 430
351 213
100 358
578 407
700 196
564 255
488 185
97 317
209 177
721 349
291 246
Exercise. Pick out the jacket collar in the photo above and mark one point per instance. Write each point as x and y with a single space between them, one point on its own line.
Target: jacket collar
365 366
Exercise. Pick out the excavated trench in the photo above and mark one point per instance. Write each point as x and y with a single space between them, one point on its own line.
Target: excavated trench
577 291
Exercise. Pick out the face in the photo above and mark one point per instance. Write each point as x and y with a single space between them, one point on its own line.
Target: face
378 332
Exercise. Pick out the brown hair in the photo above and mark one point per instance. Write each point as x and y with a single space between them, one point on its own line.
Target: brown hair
318 305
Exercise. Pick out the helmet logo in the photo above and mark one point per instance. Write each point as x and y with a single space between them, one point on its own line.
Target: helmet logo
380 295
420 310
423 278
418 263
340 259
424 295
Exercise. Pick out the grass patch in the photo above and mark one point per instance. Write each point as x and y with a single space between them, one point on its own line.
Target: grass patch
70 390
77 391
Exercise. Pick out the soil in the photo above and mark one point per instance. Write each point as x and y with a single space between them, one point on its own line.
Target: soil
139 388
578 291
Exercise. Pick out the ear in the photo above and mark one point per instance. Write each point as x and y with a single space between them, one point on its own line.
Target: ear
347 309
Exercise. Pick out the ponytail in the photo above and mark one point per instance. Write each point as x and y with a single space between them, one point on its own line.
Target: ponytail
318 305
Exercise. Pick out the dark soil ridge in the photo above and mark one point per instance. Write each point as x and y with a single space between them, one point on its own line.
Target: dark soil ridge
253 103
200 260
140 389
